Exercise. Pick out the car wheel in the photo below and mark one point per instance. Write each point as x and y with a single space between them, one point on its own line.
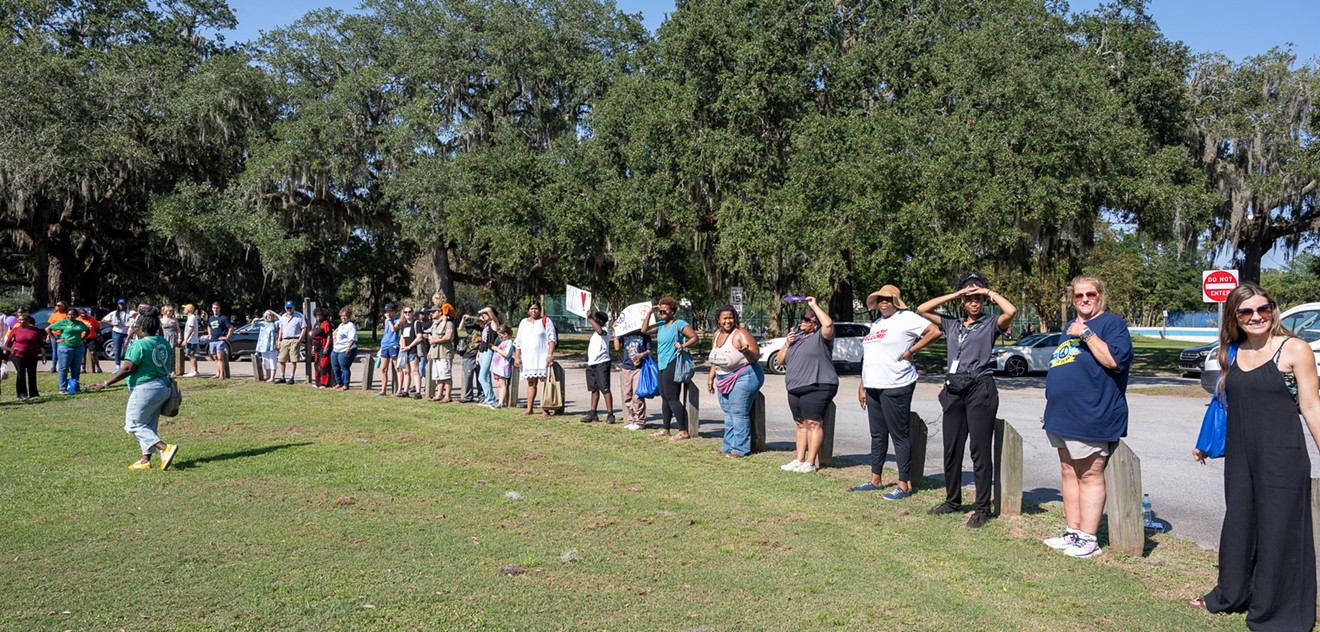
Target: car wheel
108 350
773 366
1015 367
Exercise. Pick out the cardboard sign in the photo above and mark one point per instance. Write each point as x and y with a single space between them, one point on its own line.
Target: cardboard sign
577 301
630 319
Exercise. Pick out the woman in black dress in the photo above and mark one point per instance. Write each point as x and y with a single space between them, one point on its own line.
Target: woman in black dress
1266 554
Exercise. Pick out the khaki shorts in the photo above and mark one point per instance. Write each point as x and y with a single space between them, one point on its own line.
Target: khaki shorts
1078 449
442 369
288 350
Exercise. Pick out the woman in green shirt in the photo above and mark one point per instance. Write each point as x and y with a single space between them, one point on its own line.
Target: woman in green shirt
70 333
147 367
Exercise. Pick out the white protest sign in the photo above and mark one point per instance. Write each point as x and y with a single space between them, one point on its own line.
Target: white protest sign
577 301
630 319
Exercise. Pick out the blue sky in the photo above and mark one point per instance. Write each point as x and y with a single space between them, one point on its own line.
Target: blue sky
1236 28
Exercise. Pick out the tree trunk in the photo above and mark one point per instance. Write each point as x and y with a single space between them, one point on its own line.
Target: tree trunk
440 271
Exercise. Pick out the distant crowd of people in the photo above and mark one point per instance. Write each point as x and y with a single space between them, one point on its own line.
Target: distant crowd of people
1269 377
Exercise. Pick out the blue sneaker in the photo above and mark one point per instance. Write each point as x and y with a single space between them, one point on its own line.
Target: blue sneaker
896 493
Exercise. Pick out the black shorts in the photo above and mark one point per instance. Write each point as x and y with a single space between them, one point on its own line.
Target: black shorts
809 402
598 377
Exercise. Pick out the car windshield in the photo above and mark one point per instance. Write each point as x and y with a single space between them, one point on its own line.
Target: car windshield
1031 340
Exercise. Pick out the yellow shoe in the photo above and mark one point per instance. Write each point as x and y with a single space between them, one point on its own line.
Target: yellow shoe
167 455
140 466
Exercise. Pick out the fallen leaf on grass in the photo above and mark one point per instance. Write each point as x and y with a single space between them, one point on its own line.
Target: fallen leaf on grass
368 606
344 501
509 570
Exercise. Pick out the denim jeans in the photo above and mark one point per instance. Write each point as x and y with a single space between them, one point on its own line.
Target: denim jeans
143 413
341 363
471 390
118 340
483 375
737 407
70 365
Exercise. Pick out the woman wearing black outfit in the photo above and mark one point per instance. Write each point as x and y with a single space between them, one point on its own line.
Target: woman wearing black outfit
1266 554
969 397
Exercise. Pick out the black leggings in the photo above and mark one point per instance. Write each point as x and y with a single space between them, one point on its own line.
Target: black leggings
888 410
970 415
671 399
25 378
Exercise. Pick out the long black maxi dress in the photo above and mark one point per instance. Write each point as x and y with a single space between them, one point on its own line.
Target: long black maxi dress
1266 554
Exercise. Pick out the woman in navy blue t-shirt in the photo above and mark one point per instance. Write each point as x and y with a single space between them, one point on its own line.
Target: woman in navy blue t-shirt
1086 410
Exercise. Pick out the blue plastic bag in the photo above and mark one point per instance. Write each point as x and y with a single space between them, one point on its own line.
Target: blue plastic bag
648 380
1214 426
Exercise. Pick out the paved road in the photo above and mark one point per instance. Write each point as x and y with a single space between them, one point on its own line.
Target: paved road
1162 431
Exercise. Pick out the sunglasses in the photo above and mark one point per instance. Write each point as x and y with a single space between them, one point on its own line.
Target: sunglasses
884 299
407 311
1090 296
1264 311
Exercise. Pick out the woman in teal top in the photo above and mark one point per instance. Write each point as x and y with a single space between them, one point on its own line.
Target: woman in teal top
147 367
69 353
672 335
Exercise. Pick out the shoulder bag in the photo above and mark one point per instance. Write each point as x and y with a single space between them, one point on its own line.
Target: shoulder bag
1214 426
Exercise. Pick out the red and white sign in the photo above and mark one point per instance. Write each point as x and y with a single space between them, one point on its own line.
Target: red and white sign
1216 284
577 301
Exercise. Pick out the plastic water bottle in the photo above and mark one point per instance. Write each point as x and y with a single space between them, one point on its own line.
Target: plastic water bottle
1148 515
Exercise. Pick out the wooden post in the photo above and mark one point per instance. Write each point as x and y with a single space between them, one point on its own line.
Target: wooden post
1008 470
1127 533
369 372
692 403
1315 530
826 453
258 371
511 388
307 360
758 423
917 434
224 365
430 378
178 362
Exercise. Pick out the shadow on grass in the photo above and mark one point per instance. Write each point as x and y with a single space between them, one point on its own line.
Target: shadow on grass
1033 501
239 454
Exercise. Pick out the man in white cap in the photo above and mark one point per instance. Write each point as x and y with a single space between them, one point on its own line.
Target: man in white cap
292 328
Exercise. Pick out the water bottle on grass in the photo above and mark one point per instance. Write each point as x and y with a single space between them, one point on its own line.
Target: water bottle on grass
1147 515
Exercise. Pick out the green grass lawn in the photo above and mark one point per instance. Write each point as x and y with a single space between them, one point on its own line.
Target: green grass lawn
291 508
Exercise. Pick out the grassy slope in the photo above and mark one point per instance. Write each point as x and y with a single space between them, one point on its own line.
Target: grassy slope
297 509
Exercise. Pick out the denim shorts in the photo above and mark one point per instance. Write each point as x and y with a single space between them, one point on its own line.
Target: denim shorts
390 352
216 347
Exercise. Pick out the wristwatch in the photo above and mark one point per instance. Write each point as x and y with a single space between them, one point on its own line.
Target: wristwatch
1087 335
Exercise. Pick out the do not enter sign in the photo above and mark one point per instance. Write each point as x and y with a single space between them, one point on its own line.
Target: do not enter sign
1216 284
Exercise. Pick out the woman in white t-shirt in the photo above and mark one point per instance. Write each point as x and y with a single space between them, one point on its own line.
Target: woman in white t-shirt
888 381
343 351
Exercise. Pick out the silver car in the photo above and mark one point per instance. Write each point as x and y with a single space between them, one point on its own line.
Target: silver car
1031 353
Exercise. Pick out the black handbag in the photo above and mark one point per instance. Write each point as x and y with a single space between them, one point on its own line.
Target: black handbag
959 383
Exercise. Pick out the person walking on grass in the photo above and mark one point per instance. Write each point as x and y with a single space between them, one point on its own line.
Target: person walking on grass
736 375
146 365
389 348
1266 553
192 341
534 351
220 328
635 346
811 381
672 335
1086 411
598 369
293 329
969 397
888 381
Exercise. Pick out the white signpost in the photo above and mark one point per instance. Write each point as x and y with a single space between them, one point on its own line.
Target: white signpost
577 301
736 299
1216 284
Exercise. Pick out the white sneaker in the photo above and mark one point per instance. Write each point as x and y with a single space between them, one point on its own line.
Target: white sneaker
632 427
1083 547
1061 541
791 466
193 374
805 468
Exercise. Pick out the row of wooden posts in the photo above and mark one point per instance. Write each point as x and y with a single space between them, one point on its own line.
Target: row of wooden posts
1122 476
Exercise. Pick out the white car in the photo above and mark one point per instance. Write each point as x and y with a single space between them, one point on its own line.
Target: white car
847 348
1031 353
1303 321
